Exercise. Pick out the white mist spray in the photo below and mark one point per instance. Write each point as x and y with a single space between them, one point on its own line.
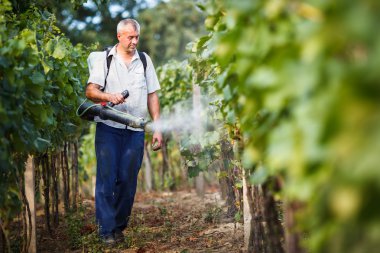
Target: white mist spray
184 118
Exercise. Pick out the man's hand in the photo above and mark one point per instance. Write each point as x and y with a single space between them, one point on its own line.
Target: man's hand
116 98
157 141
94 93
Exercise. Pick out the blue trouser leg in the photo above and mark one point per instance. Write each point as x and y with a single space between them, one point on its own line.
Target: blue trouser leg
119 155
130 163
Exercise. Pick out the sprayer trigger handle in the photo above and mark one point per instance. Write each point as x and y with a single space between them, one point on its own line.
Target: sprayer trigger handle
125 95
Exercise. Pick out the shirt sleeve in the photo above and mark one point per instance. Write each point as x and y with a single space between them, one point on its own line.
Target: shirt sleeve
96 66
151 76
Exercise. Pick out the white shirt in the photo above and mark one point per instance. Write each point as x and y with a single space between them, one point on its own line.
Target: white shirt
122 77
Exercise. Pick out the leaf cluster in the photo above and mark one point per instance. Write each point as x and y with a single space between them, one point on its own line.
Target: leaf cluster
300 79
42 78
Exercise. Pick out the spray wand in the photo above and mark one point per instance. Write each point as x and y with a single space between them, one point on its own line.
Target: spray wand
88 110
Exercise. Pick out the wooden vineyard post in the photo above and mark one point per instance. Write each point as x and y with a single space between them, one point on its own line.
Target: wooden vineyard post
148 169
247 214
30 196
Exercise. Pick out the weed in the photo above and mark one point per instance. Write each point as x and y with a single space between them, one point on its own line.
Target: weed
74 225
79 231
213 214
92 243
163 211
238 216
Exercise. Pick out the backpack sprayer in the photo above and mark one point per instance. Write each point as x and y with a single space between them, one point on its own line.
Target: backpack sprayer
88 110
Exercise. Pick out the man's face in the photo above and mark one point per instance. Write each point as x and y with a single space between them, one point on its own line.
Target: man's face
128 38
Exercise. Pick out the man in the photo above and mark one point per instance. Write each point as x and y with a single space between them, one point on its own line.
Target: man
119 149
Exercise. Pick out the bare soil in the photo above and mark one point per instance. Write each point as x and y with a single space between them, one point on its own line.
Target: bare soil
161 222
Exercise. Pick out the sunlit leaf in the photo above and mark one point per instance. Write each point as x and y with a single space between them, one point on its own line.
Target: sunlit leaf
60 51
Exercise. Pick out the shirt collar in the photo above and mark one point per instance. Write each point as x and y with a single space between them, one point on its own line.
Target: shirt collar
136 56
113 53
113 50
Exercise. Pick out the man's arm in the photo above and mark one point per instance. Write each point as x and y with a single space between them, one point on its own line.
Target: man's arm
94 93
154 111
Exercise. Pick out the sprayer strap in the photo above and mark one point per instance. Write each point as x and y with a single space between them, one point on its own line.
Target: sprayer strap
143 60
109 60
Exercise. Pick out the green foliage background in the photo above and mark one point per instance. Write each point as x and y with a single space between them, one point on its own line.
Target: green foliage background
300 78
42 78
167 28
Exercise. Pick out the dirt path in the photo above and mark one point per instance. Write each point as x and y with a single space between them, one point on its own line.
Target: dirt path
161 222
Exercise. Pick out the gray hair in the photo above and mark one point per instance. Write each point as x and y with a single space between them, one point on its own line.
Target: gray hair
129 21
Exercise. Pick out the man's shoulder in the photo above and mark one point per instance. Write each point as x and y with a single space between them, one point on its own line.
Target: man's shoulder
142 55
148 59
97 57
146 55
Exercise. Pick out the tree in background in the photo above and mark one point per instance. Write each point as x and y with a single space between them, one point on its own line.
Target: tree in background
84 21
96 21
168 28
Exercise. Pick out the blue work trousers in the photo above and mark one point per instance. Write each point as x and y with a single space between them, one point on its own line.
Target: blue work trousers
119 153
